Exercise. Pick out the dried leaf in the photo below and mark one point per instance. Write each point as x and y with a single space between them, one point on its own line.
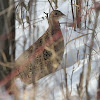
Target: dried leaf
29 5
27 19
24 5
18 18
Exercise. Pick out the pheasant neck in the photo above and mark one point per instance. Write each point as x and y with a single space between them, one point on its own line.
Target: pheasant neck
54 25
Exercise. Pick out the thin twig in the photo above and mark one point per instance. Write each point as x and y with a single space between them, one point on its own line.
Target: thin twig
50 4
90 58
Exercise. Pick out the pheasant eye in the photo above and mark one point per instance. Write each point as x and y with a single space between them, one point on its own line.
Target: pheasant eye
56 14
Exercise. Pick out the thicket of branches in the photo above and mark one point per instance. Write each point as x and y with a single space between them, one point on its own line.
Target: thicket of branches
24 13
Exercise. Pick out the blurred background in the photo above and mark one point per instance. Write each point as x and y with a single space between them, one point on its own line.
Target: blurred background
22 22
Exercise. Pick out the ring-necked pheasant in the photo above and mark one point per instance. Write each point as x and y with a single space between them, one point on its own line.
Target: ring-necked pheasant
51 46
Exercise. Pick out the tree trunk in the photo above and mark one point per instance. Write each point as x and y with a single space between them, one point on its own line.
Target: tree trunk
7 37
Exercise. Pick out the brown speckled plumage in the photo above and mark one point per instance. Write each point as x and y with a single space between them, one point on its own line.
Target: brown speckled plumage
51 56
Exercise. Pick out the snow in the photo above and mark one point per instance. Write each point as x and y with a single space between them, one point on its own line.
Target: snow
73 48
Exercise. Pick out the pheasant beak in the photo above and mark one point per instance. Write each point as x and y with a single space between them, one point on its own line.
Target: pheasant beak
63 15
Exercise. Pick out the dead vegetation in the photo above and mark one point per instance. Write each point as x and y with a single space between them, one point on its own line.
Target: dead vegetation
58 85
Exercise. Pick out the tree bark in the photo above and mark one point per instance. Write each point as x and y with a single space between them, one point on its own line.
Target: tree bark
7 36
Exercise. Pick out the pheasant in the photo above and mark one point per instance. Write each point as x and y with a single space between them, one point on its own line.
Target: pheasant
51 50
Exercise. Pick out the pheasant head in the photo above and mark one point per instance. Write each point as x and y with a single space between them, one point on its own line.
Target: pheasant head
54 17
